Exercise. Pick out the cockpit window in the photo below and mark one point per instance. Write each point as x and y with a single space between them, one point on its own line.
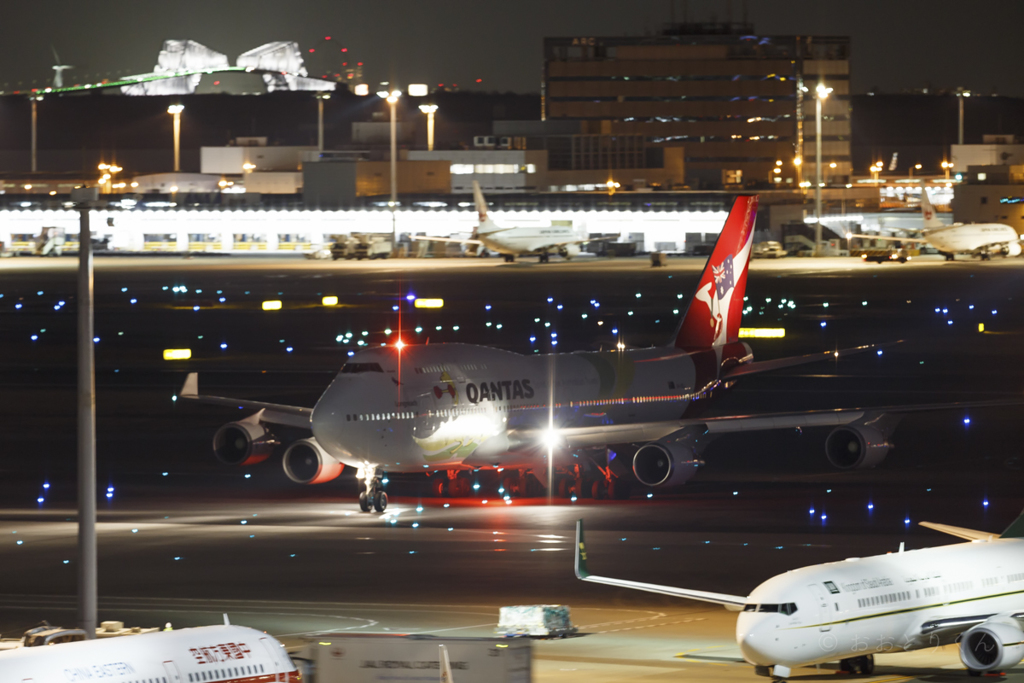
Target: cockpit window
352 368
786 608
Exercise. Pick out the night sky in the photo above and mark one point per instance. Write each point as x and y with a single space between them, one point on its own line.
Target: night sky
897 44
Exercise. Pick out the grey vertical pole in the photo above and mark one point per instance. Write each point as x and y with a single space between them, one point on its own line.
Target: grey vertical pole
960 136
394 174
320 124
87 590
817 181
34 166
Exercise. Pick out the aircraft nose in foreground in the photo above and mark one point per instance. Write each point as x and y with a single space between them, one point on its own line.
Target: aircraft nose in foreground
755 638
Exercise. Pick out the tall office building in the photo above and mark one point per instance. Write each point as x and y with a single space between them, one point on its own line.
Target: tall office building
738 103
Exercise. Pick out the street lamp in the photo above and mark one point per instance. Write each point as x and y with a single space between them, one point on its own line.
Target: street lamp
876 168
960 95
947 166
821 94
320 97
175 111
915 166
429 110
392 99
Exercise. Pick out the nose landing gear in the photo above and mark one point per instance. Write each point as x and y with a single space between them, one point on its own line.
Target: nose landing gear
374 496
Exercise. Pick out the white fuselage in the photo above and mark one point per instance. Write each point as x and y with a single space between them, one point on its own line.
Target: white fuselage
455 405
527 240
878 604
970 237
214 654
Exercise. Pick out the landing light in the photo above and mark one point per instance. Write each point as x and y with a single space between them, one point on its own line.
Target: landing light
330 301
271 305
429 303
550 438
177 354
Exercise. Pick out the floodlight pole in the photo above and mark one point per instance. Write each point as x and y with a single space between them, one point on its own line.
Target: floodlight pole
817 179
393 101
34 165
960 132
87 571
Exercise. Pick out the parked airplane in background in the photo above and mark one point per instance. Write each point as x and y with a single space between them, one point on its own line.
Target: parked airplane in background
221 654
968 593
516 241
977 239
447 409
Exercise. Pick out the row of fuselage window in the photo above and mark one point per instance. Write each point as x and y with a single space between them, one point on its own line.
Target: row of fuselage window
221 674
929 592
456 412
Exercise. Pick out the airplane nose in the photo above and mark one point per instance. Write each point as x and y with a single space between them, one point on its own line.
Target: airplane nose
328 421
754 642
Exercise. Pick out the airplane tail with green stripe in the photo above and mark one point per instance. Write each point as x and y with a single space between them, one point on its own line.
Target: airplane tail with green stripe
1016 528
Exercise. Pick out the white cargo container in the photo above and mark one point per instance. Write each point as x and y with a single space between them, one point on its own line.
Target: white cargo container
371 658
543 621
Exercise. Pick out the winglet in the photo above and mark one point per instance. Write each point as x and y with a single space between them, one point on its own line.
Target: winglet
227 622
190 389
446 665
1016 528
581 553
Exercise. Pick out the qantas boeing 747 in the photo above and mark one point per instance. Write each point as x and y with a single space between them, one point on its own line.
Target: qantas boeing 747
446 409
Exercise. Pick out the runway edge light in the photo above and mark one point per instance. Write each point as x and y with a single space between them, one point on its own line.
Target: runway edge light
177 354
429 303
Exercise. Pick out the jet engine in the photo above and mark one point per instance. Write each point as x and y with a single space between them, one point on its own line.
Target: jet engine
306 462
1013 249
861 444
243 443
568 251
672 460
992 645
851 448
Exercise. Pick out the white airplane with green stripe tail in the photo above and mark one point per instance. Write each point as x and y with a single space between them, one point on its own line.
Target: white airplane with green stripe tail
968 593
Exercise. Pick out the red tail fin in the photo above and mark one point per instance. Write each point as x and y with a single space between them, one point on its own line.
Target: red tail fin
713 316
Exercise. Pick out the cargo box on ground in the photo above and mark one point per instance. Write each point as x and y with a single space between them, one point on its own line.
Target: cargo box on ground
369 658
547 621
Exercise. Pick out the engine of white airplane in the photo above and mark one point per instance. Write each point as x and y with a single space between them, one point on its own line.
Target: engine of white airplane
671 461
1013 249
569 251
243 443
856 447
993 645
306 462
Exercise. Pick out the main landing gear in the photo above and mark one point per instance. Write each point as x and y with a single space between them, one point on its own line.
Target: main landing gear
864 666
374 496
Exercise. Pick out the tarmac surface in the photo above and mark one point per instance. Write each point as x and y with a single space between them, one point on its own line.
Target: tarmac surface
185 539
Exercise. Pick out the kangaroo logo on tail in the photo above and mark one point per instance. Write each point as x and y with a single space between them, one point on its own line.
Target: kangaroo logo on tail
722 284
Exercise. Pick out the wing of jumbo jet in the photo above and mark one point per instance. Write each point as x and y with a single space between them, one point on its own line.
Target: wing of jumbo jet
599 435
275 413
733 602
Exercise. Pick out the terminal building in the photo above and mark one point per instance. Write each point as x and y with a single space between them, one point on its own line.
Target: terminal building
738 103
